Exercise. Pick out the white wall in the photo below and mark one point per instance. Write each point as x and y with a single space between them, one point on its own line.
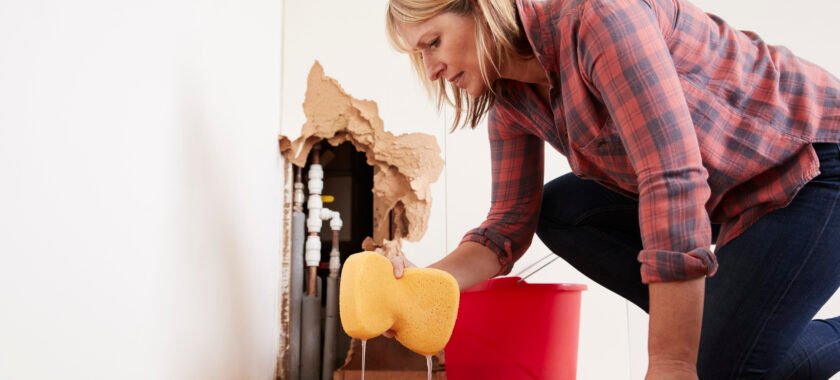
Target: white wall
140 186
140 189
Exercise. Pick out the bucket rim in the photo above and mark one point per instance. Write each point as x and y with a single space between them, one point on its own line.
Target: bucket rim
514 283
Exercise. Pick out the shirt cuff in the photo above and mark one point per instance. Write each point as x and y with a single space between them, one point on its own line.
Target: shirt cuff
667 266
497 243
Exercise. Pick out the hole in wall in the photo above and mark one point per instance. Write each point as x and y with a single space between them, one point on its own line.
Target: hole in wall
381 184
348 179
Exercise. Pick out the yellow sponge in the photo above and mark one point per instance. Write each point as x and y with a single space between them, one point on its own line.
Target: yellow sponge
420 307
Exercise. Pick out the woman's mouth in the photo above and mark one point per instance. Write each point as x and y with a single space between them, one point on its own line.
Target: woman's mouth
458 80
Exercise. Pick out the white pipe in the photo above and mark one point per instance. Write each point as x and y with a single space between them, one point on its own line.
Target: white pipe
313 222
335 256
299 197
334 217
316 178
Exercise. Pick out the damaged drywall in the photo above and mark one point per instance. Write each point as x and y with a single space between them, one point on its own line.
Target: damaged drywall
405 166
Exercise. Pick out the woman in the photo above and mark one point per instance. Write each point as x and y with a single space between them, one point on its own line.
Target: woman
680 132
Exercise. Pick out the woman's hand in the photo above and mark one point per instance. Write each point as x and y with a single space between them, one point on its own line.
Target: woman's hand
400 262
469 264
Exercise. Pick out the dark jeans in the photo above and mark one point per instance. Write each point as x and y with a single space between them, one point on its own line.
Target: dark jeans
772 279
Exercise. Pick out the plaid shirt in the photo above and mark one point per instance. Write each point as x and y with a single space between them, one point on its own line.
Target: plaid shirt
658 100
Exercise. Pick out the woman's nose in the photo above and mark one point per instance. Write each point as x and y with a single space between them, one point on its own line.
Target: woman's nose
434 69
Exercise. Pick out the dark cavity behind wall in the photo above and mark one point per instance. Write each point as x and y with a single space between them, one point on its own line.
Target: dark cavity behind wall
348 178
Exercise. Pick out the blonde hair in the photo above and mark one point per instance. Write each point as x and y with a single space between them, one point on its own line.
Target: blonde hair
498 35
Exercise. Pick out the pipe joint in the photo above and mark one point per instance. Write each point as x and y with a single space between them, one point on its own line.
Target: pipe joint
316 179
335 222
313 251
314 223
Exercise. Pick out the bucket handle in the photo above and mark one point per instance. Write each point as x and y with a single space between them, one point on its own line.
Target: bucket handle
534 264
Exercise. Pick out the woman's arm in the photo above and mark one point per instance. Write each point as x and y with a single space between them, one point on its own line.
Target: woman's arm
516 165
626 59
676 313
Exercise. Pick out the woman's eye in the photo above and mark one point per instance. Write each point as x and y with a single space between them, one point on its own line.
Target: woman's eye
435 43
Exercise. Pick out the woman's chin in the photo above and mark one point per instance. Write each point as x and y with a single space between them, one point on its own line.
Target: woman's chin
476 91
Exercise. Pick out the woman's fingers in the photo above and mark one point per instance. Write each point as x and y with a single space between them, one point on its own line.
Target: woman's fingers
399 265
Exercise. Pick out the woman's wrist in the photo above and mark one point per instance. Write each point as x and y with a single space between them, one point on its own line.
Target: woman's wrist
670 369
470 264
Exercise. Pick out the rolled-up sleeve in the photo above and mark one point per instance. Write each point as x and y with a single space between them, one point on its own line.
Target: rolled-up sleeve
517 173
624 57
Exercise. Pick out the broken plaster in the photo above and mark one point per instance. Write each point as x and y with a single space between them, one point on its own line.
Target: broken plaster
405 166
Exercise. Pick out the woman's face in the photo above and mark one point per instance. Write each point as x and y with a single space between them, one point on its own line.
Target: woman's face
447 44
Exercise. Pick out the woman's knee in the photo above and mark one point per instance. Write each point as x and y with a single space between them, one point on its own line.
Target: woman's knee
562 200
569 201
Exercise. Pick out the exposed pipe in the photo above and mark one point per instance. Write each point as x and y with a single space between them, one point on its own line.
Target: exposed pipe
331 319
310 355
313 222
311 300
311 319
296 290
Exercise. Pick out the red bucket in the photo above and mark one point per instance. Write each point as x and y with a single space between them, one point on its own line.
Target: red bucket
509 330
